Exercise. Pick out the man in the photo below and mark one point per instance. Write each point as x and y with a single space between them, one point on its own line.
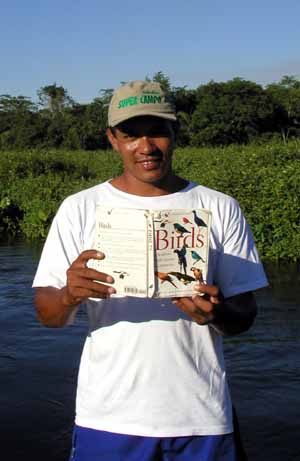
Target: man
152 383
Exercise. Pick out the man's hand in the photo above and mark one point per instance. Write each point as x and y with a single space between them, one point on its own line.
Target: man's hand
56 306
83 282
201 308
228 316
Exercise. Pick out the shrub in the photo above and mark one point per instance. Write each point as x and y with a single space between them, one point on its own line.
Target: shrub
263 178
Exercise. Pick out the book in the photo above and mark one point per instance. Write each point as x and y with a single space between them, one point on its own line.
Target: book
153 253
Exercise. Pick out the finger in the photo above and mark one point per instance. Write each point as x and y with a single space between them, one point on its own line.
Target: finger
196 302
215 300
92 274
86 255
211 290
87 284
80 294
195 311
101 288
203 303
210 297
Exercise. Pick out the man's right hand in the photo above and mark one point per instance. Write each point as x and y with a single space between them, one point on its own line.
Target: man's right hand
55 306
83 282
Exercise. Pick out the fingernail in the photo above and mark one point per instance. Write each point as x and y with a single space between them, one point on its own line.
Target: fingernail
109 279
201 294
100 255
111 290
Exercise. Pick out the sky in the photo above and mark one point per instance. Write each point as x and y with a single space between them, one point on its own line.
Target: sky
89 45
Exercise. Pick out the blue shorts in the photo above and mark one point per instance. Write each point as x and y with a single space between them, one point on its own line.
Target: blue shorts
94 445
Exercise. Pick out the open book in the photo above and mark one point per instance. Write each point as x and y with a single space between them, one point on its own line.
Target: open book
153 253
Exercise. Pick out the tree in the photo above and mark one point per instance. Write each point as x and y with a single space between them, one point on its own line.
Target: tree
54 98
13 109
16 104
184 101
72 139
232 112
94 124
286 97
161 78
105 96
20 123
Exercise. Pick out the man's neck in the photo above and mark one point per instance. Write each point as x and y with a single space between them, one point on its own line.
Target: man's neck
168 186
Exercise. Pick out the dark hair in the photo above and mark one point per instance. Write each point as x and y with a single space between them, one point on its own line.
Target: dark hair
175 125
113 130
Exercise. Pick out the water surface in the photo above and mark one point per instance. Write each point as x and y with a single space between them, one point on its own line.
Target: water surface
38 368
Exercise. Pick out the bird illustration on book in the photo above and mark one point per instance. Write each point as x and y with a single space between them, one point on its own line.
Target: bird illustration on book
181 258
198 221
196 257
179 229
183 278
122 274
197 274
165 277
185 220
163 223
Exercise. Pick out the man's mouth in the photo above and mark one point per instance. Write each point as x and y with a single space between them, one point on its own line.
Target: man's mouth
150 163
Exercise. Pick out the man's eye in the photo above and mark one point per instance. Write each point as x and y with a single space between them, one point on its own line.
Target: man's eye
128 136
159 133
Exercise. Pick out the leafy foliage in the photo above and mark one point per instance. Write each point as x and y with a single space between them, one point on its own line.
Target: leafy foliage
233 112
263 178
286 96
54 98
215 114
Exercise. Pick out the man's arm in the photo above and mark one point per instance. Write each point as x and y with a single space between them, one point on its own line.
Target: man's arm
51 309
230 316
55 306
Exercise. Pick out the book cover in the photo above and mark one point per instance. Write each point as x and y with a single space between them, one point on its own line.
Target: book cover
153 253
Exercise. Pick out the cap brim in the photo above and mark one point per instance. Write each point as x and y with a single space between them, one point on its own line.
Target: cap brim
165 116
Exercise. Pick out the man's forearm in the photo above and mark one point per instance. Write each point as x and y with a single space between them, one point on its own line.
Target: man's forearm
235 315
52 307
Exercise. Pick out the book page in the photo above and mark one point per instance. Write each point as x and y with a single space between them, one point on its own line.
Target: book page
124 236
181 251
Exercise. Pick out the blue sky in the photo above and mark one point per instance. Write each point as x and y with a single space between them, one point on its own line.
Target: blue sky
86 45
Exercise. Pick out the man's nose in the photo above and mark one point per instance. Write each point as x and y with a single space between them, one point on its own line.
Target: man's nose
146 145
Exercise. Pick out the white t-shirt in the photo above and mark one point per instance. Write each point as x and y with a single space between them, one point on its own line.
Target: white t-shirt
146 368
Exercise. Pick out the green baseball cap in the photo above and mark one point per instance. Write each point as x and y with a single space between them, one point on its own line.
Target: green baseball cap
138 98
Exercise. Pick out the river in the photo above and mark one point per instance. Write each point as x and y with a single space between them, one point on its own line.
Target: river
38 368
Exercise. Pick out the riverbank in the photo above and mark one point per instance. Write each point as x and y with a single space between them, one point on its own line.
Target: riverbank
263 178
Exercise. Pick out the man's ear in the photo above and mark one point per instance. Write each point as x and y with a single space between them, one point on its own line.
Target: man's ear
112 139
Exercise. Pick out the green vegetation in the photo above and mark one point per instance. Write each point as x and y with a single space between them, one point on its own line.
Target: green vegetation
213 114
264 178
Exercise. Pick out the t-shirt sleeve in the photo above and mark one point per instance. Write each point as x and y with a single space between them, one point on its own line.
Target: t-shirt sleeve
238 267
63 245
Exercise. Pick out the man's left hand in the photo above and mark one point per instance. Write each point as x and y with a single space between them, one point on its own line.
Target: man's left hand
230 316
201 308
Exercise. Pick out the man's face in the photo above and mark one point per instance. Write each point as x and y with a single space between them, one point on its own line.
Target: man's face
145 144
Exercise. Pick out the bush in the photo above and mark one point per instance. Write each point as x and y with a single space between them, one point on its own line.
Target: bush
263 178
